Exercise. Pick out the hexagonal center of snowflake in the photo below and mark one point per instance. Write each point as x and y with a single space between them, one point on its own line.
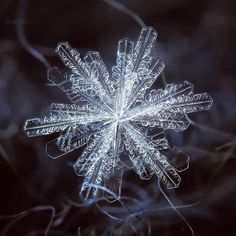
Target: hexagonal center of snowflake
122 115
118 117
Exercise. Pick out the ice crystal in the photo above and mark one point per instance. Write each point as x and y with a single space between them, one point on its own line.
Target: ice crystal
120 120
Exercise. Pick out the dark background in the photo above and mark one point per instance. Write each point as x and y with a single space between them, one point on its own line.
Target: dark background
196 41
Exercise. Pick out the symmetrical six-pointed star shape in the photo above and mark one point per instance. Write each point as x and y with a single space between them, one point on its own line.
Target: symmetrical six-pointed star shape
120 119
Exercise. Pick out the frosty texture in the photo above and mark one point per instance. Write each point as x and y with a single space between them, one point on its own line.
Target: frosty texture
117 116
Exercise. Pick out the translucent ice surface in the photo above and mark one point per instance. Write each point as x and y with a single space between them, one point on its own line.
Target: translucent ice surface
113 115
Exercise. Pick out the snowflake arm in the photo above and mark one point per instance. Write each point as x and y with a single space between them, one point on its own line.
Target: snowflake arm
152 161
167 108
47 125
68 141
96 163
122 70
145 68
92 70
59 119
100 77
136 70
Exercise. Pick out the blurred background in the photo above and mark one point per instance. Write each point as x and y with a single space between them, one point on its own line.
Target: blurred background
39 196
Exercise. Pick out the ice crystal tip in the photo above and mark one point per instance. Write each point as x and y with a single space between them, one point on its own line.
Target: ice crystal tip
113 114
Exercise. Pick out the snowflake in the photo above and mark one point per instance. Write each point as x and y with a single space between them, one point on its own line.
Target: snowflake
120 120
